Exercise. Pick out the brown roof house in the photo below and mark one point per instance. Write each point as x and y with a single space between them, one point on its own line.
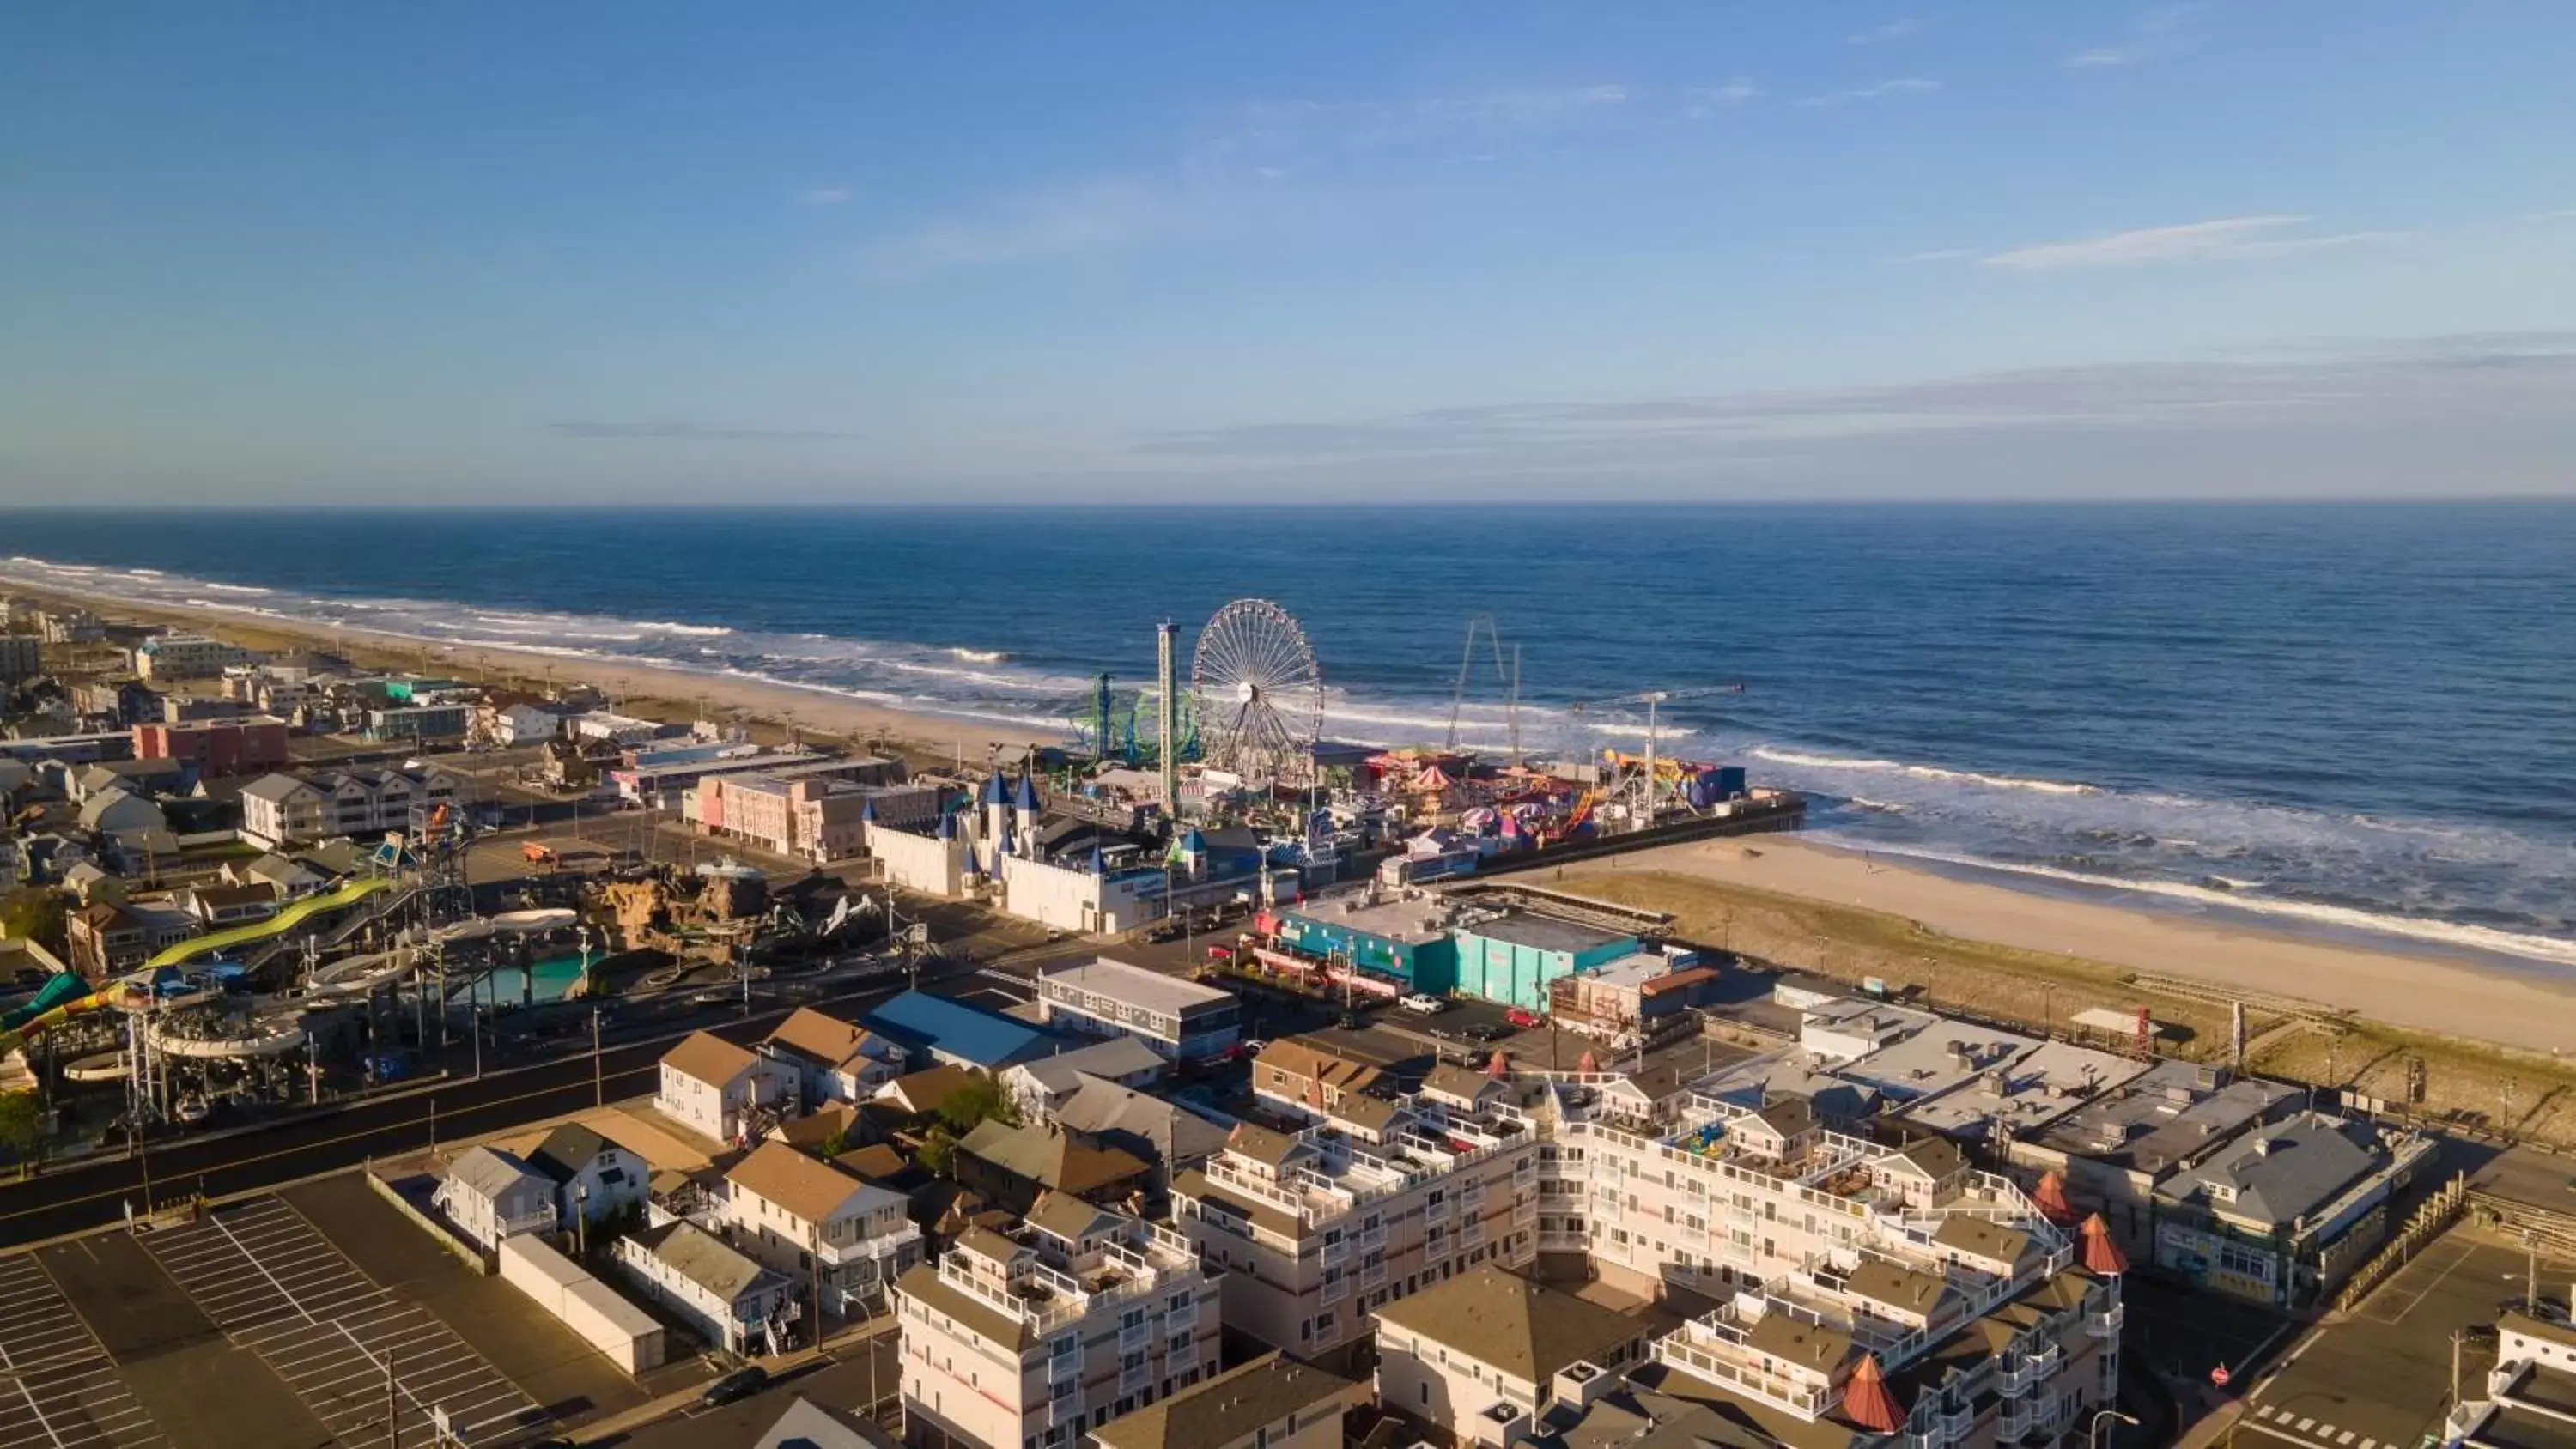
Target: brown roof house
1011 1166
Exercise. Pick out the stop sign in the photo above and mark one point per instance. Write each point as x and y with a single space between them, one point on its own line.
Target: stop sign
2218 1376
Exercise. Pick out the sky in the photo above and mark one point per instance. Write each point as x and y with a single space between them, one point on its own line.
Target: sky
1722 249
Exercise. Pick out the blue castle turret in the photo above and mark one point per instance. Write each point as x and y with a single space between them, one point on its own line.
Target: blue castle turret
1098 865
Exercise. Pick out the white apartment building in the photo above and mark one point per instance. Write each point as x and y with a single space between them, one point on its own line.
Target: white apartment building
1029 1339
279 809
719 1090
1316 1228
1181 1020
836 1060
728 1298
1831 1252
186 656
792 1212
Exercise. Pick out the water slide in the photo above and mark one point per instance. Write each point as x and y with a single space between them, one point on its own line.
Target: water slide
272 928
17 1036
60 987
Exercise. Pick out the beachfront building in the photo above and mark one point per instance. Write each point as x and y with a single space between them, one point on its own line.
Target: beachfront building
806 1217
2112 1152
1273 1402
216 747
1482 1357
1318 1229
1633 1000
720 1090
1400 936
1936 1298
1179 1020
1511 955
1089 897
1077 1316
166 657
419 724
2282 1213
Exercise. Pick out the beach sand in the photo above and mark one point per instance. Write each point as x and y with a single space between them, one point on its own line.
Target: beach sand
2451 998
648 689
2447 997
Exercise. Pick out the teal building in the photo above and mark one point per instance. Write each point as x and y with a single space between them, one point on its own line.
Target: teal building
1510 958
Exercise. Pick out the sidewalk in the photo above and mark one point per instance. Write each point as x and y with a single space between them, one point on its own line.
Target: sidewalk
662 1408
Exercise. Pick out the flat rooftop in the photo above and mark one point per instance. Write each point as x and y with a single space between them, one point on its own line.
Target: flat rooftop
1135 986
2039 1087
1410 920
1937 1058
2166 1116
1542 932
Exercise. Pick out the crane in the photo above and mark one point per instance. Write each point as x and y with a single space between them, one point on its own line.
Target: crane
1653 700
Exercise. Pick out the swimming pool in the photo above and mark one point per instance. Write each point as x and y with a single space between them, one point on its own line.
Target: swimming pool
552 977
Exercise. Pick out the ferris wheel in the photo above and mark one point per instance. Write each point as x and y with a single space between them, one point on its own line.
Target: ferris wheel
1260 695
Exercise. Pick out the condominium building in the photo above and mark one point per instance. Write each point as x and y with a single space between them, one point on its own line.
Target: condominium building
186 656
21 657
282 808
1850 1271
801 1215
1026 1339
1181 1020
217 747
1317 1227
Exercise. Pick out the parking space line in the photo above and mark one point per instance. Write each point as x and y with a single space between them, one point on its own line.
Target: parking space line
278 1285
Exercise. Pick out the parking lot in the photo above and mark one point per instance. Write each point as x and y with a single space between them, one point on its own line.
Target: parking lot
346 1347
58 1387
2381 1379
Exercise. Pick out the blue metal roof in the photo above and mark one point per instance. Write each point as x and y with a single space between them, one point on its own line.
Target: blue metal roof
954 1029
996 792
1027 798
1098 866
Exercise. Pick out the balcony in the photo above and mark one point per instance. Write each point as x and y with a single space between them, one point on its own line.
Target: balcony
2108 1322
1372 1238
1135 1380
1183 1318
2029 1371
1955 1425
1135 1339
2016 1418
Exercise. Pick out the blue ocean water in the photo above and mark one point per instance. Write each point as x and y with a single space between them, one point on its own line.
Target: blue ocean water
2354 715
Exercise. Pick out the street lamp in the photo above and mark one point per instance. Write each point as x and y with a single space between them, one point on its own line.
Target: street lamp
2093 1435
581 1217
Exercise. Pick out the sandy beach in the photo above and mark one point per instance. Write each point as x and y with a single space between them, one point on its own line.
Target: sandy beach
2424 993
674 693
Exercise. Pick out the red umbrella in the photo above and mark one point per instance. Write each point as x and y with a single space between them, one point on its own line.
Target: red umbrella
2101 1255
1500 1066
1868 1402
1588 1064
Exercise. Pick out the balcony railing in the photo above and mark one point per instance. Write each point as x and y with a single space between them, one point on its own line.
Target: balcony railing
1133 1338
1771 1389
2107 1323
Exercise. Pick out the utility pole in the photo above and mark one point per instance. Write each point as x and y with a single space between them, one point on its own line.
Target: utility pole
814 1257
598 1084
433 1124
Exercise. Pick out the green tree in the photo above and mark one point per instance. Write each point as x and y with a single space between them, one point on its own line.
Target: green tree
33 915
22 1124
938 1149
980 1100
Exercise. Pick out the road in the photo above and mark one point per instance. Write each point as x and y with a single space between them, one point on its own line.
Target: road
94 1194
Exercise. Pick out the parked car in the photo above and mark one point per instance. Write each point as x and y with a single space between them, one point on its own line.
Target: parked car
1220 953
1524 1018
1164 933
1425 1003
742 1383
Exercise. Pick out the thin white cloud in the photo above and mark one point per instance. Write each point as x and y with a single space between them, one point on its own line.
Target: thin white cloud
2199 240
1906 85
1090 217
1601 95
824 196
1939 254
1704 102
1892 30
2154 33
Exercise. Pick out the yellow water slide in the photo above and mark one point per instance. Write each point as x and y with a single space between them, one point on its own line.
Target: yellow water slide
275 926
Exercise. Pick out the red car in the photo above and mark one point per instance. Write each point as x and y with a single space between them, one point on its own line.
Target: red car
1524 1019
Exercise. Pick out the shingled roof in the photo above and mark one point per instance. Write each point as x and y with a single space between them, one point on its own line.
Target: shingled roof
1527 1330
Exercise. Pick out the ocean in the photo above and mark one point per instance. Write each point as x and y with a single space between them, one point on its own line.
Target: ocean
2347 717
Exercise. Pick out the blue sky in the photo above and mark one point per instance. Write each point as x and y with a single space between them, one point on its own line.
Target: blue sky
1713 249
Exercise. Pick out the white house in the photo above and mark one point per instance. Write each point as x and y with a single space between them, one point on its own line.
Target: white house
594 1178
489 1194
1484 1354
715 1087
835 1060
782 1206
732 1302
